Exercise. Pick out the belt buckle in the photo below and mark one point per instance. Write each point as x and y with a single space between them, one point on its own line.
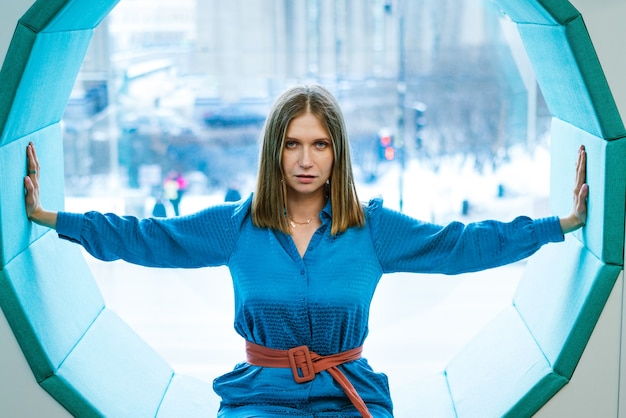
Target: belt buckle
295 370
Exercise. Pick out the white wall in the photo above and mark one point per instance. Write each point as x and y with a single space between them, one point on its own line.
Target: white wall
11 12
605 23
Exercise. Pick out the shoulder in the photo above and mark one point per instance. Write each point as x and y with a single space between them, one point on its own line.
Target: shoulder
376 209
373 206
383 220
378 216
230 212
221 224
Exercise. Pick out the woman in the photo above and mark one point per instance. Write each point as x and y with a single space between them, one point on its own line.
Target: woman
305 257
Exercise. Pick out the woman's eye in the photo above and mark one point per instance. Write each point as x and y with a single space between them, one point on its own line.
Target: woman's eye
322 144
290 144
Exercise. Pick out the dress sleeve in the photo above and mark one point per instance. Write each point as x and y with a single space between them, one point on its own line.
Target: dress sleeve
206 238
405 244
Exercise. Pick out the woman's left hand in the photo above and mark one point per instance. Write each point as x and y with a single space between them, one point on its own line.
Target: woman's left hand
578 217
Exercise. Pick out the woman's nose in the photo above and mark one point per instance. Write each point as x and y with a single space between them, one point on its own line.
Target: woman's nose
305 159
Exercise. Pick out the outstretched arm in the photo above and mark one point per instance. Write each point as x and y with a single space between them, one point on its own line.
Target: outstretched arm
578 217
34 210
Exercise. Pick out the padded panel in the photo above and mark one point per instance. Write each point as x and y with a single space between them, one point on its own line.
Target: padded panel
606 175
501 372
66 15
560 297
188 397
427 397
111 373
541 12
16 231
50 300
571 78
37 79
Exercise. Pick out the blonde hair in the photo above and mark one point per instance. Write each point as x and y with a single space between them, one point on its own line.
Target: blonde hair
269 202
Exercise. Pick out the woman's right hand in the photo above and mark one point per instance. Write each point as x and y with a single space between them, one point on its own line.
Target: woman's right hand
31 183
578 217
34 210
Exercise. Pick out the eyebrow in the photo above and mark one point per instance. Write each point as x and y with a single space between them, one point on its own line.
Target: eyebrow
287 138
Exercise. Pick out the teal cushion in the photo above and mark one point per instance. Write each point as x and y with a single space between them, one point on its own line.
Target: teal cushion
606 175
571 78
188 397
111 372
541 12
36 81
17 231
501 372
50 301
66 15
560 298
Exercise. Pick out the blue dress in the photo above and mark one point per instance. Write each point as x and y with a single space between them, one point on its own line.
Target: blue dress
321 300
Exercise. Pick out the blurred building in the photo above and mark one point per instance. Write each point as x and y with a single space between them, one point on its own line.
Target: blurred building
387 61
251 46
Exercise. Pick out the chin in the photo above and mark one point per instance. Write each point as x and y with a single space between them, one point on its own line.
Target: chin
306 189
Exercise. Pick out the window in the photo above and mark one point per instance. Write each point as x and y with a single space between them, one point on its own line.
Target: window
188 92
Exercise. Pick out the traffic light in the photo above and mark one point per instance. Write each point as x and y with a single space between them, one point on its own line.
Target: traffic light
420 115
386 150
420 121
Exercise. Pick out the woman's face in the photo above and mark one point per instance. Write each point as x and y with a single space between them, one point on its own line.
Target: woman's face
308 156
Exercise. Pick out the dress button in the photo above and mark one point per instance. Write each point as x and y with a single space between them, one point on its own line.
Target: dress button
301 272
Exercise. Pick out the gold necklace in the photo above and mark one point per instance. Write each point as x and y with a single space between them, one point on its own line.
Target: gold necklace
294 224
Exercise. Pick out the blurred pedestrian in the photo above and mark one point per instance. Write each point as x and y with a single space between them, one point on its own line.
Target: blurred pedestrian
174 187
159 210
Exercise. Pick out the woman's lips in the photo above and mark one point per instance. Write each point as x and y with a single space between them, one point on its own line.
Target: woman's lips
305 179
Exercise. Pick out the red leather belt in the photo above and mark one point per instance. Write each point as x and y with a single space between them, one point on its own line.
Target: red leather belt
305 364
